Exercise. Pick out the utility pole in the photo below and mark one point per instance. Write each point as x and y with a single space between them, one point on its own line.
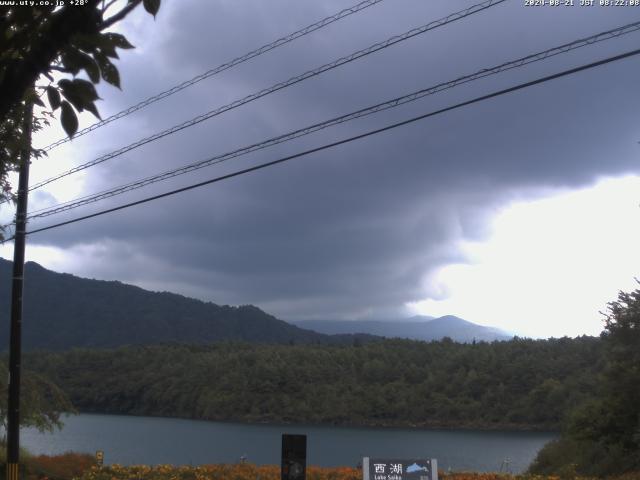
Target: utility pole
15 338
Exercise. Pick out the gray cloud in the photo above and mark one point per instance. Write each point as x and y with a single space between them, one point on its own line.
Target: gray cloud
355 230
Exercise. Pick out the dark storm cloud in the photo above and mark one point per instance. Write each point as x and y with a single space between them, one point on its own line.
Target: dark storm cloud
356 230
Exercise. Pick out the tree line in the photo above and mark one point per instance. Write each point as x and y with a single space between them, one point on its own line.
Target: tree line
523 384
601 436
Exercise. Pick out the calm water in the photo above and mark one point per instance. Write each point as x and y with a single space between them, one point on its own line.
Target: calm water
147 440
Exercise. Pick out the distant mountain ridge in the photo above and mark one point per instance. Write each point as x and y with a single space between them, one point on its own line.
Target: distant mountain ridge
415 328
63 311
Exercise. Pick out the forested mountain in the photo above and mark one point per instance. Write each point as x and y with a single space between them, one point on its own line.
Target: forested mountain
515 384
63 311
415 328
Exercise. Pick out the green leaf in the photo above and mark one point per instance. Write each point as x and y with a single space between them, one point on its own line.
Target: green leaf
87 93
70 63
93 71
106 45
85 89
151 6
86 42
109 50
91 106
109 71
81 93
54 97
71 94
69 119
117 40
76 60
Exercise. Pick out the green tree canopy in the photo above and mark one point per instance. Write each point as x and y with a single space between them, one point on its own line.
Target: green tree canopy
515 384
42 404
603 435
39 41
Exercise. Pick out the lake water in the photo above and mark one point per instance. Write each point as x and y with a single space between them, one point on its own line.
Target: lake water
148 440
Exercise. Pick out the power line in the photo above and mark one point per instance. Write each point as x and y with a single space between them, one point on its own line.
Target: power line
614 33
221 68
346 140
279 86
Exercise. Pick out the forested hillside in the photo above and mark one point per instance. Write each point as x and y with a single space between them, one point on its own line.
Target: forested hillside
515 384
62 311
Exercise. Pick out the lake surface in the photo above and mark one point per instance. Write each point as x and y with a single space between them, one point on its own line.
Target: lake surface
149 440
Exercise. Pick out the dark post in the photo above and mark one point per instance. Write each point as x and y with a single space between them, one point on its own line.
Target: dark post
294 457
15 350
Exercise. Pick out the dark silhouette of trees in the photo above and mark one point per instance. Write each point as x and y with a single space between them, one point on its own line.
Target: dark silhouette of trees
516 384
602 436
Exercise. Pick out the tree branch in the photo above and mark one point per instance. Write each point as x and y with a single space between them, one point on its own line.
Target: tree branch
120 15
107 6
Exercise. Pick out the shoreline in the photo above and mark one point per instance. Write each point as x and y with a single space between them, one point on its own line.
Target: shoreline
510 428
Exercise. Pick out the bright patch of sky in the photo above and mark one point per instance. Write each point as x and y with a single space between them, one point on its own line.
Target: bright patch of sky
551 265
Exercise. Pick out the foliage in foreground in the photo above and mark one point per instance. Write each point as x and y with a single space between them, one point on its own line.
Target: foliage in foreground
272 472
57 467
42 401
77 466
602 436
40 39
243 471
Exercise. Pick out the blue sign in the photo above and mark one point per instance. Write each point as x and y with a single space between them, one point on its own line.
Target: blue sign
399 469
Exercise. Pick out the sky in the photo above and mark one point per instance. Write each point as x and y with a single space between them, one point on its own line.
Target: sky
520 212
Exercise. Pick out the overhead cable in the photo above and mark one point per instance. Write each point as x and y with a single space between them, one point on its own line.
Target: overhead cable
346 140
220 68
614 33
279 86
